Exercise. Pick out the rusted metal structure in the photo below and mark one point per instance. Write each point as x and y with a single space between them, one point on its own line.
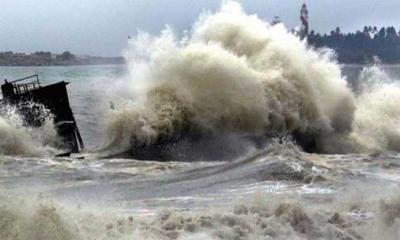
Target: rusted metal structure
54 97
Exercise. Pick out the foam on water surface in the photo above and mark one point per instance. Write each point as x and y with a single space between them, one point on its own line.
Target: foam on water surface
231 81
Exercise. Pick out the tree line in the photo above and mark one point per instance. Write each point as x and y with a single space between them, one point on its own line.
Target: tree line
50 59
37 59
361 47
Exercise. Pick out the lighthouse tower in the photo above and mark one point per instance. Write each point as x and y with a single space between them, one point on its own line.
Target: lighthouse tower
304 21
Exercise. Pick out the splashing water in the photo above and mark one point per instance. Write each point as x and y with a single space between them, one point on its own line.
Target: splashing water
256 219
234 73
231 80
377 119
18 139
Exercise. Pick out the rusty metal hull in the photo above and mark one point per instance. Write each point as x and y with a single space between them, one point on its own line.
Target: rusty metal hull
54 97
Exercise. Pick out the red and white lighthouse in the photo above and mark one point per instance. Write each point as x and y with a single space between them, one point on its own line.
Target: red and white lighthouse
304 21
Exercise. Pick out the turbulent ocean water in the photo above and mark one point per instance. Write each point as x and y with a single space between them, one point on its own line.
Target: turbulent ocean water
229 96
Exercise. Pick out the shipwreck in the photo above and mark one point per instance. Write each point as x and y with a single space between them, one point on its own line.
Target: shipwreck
21 93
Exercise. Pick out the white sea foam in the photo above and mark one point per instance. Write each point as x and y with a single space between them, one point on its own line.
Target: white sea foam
233 73
18 139
257 218
376 125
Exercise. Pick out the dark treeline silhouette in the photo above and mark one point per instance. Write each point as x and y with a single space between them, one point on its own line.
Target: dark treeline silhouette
50 59
361 46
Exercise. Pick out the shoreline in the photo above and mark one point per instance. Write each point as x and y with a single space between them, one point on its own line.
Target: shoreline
67 65
51 59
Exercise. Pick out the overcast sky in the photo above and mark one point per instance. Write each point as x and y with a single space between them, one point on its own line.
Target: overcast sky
101 27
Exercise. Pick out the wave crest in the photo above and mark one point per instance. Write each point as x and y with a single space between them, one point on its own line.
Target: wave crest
235 74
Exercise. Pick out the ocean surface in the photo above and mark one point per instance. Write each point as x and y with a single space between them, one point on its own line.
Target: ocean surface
348 188
93 198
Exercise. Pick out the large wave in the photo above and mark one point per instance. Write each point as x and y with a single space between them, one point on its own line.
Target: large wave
233 73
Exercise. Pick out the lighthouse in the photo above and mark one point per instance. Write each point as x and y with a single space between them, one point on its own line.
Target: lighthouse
304 21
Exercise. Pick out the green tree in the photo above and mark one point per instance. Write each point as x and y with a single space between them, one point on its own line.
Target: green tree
66 56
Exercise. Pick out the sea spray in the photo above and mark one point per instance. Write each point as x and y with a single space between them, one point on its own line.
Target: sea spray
257 217
18 139
376 126
234 73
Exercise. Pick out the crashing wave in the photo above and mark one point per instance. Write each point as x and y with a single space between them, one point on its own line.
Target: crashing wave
234 74
234 82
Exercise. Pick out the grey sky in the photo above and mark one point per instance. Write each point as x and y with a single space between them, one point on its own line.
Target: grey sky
101 27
